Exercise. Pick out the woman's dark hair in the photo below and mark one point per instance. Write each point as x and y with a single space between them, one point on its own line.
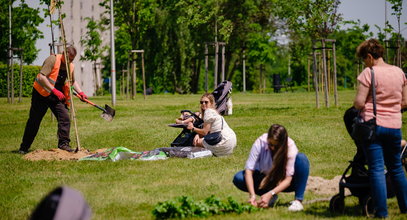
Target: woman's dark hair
372 47
279 156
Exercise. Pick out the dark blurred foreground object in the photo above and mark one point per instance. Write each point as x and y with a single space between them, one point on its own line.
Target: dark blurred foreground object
63 203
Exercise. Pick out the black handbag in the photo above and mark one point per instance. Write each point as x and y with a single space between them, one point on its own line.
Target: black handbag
215 137
365 131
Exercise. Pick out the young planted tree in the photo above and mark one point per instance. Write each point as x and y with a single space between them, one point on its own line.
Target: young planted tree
347 41
198 23
24 29
252 29
92 43
307 20
397 6
132 20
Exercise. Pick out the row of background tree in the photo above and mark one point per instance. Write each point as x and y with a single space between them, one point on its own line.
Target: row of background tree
272 33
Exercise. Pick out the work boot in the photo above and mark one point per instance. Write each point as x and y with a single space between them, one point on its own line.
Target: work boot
65 147
22 150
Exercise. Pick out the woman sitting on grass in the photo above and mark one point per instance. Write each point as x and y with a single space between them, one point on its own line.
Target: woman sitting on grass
213 122
274 165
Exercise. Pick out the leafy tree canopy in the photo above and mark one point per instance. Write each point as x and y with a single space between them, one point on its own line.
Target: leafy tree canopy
24 29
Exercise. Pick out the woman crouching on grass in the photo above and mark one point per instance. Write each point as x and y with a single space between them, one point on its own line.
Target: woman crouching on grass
274 165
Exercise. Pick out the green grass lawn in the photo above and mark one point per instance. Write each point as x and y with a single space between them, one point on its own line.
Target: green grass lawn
131 189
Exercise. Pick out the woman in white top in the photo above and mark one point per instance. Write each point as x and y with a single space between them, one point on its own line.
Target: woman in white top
274 165
213 122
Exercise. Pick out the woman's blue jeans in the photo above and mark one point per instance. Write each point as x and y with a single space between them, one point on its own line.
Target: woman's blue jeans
298 183
386 150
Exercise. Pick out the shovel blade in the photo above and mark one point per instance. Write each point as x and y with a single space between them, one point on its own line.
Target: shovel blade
110 110
108 114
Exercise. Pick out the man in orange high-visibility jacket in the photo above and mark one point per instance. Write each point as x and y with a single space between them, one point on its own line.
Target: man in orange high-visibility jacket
51 90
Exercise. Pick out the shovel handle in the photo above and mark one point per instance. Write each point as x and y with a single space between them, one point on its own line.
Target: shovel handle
89 102
104 110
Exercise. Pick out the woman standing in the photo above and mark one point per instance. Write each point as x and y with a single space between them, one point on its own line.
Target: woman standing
274 165
391 96
213 122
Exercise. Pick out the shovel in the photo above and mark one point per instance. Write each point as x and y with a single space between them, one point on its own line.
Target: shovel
108 112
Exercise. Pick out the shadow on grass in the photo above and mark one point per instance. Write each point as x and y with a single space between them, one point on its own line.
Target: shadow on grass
12 151
322 210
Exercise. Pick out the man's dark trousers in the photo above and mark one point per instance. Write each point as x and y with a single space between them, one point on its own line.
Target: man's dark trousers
39 106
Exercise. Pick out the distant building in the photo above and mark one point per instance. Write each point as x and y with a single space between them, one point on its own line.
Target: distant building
75 28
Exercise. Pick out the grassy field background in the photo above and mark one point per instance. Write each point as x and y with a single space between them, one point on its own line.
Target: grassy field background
131 189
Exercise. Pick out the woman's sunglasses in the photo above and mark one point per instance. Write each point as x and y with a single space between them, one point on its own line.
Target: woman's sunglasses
204 102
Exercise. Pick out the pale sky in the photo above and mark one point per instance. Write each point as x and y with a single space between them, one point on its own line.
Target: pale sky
372 12
369 12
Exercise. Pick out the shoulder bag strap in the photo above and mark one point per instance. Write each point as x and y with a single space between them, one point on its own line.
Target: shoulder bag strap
373 91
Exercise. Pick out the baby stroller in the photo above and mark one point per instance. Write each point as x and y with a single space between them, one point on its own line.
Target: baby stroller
222 98
358 180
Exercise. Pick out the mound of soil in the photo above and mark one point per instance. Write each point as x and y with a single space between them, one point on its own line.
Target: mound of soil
319 185
58 154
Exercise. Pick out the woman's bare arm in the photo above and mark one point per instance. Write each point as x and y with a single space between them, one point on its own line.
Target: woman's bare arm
361 96
404 98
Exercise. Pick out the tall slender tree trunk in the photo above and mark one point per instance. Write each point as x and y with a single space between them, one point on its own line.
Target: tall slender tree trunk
96 78
196 67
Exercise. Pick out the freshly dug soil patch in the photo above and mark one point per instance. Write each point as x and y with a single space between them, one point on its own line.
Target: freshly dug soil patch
319 185
58 154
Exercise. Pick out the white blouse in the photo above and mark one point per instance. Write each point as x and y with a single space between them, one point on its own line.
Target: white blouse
260 157
228 142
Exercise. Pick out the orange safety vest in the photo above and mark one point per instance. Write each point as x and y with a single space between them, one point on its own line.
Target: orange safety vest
52 77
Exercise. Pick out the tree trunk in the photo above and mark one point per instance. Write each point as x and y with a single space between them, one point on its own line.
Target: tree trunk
196 67
236 62
96 78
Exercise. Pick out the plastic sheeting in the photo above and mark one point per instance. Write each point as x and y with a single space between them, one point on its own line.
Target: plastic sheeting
122 153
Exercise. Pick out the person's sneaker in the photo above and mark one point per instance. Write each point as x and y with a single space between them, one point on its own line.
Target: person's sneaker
65 147
295 206
273 201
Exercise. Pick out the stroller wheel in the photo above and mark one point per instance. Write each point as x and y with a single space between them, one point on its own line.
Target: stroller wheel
367 207
337 204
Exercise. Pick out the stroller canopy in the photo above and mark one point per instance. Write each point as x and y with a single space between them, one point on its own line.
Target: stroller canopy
221 94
